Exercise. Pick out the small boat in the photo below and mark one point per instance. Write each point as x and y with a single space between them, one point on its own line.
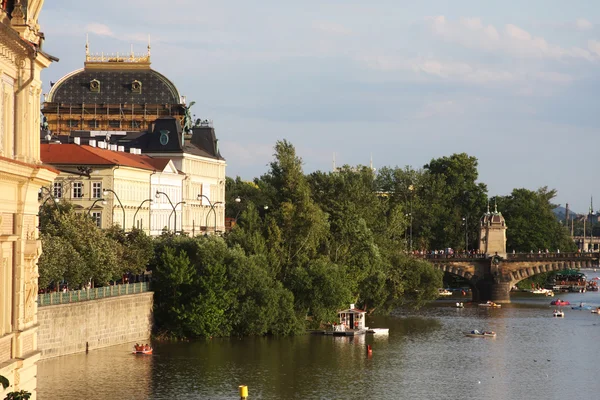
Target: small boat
476 333
596 311
444 292
559 302
558 314
490 304
581 307
460 305
379 331
141 350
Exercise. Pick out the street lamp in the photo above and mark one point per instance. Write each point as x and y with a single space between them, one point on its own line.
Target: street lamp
411 188
172 206
212 208
106 191
93 204
138 209
50 196
466 222
176 204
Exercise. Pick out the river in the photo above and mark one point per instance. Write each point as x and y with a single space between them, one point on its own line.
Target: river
425 356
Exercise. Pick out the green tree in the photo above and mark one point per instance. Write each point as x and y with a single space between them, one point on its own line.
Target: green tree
531 222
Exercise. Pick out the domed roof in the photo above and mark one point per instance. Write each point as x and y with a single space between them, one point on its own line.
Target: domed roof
109 84
493 218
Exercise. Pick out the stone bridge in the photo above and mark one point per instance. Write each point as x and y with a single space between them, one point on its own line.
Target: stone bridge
491 277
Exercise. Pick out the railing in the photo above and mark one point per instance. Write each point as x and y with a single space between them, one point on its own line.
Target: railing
74 296
513 256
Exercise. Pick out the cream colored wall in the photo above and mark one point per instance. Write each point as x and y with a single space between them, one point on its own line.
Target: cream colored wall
20 179
169 182
133 187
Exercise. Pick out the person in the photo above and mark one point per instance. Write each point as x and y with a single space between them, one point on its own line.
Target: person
580 304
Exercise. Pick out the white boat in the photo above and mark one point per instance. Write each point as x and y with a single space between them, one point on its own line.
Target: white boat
379 331
476 333
444 292
558 314
490 304
545 292
460 305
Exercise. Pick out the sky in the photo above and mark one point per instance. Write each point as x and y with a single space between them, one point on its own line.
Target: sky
513 83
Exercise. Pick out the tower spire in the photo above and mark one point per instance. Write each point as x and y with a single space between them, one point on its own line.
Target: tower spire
333 162
87 45
149 47
488 208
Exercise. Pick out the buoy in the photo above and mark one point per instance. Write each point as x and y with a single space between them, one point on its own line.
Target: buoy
243 392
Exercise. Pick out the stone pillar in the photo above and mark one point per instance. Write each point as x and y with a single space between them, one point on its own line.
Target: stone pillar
500 292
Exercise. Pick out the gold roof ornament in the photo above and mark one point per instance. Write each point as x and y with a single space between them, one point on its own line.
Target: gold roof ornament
116 60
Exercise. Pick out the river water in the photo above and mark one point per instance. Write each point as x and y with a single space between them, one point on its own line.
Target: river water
425 356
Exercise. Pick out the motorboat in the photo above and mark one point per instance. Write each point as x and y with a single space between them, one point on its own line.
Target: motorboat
582 307
460 305
490 304
379 331
559 302
476 333
444 292
558 314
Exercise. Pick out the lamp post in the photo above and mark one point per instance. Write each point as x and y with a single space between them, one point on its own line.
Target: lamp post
50 196
93 204
106 191
466 222
172 206
212 208
138 209
411 188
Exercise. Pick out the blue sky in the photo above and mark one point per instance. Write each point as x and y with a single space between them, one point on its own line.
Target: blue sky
512 83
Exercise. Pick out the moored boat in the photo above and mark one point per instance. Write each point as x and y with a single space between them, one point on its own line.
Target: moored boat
476 333
444 292
379 331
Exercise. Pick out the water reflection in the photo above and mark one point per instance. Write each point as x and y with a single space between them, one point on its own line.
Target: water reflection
426 355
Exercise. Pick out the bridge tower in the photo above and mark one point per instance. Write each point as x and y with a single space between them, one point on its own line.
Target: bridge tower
492 234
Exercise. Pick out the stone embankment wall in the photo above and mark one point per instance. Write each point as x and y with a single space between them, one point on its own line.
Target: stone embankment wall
77 327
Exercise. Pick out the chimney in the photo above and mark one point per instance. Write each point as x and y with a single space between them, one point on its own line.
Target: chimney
121 148
113 147
92 143
352 306
102 145
132 150
77 140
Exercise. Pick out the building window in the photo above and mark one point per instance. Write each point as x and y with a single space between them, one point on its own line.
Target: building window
95 86
72 123
136 87
77 190
114 123
97 217
92 123
97 190
57 190
135 124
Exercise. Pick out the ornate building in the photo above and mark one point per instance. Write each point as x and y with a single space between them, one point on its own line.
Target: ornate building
21 177
117 93
120 101
492 234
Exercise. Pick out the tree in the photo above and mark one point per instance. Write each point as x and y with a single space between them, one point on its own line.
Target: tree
531 221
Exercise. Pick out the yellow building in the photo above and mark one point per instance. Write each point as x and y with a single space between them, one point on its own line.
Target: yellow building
112 186
121 101
21 176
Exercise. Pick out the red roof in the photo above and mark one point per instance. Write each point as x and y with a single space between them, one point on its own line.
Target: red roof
74 154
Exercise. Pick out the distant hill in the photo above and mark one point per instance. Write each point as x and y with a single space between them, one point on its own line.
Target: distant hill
561 211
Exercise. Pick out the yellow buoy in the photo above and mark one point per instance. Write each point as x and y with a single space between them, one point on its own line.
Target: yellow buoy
243 392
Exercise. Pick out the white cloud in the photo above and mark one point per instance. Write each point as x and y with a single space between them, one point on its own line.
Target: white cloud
594 46
332 28
583 24
513 40
99 29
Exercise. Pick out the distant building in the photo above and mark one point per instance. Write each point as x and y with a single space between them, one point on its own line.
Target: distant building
119 101
492 236
21 176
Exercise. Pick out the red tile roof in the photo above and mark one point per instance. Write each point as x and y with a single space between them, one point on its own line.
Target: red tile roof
74 154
